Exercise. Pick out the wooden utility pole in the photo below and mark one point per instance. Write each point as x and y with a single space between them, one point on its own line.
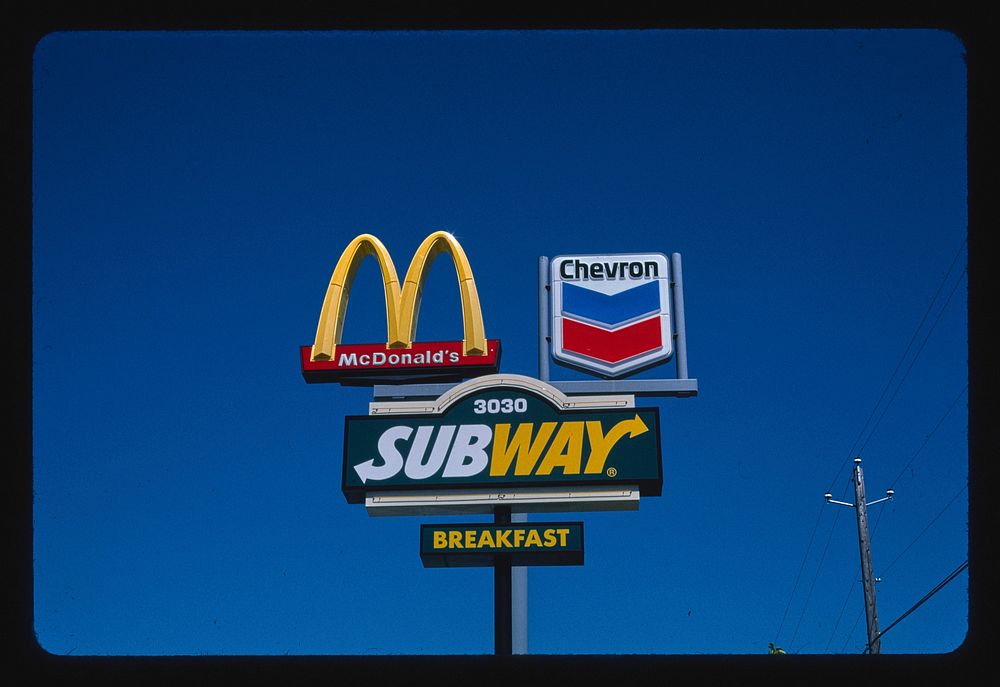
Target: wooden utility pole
864 545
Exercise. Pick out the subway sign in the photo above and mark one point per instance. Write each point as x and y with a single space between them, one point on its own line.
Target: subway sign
400 358
611 314
501 432
536 543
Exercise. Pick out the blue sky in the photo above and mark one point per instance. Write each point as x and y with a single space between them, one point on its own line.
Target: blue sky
193 190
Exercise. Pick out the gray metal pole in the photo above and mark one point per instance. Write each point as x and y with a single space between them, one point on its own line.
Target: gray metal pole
519 574
519 601
543 318
867 578
680 332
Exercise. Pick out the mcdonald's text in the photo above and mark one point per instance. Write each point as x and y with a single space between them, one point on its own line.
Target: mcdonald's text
440 359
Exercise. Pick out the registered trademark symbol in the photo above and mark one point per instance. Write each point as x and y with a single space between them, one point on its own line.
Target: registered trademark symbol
612 472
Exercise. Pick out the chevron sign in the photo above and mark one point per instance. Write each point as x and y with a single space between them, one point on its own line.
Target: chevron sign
611 313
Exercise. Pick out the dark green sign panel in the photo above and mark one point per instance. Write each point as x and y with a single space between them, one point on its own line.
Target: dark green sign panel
537 543
502 437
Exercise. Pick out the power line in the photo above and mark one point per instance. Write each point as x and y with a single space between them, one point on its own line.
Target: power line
938 587
900 555
850 634
813 585
878 519
888 384
797 576
843 608
926 527
912 361
805 606
802 565
928 437
862 432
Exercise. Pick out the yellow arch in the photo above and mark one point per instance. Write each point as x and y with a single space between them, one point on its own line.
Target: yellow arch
331 317
474 332
401 306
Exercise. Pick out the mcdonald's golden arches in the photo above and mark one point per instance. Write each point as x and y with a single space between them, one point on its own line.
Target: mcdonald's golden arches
401 358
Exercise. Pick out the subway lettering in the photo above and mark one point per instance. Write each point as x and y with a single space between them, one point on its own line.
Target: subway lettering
569 447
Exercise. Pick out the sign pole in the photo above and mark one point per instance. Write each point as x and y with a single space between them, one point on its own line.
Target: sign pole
502 609
680 335
543 318
519 601
519 574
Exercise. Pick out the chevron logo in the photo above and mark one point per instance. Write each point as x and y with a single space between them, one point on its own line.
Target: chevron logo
611 313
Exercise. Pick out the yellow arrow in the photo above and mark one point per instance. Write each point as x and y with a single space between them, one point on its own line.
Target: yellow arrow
601 444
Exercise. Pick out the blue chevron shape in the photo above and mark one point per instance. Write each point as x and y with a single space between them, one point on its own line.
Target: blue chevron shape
613 310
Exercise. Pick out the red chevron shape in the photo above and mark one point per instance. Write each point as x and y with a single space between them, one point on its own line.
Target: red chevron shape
611 346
